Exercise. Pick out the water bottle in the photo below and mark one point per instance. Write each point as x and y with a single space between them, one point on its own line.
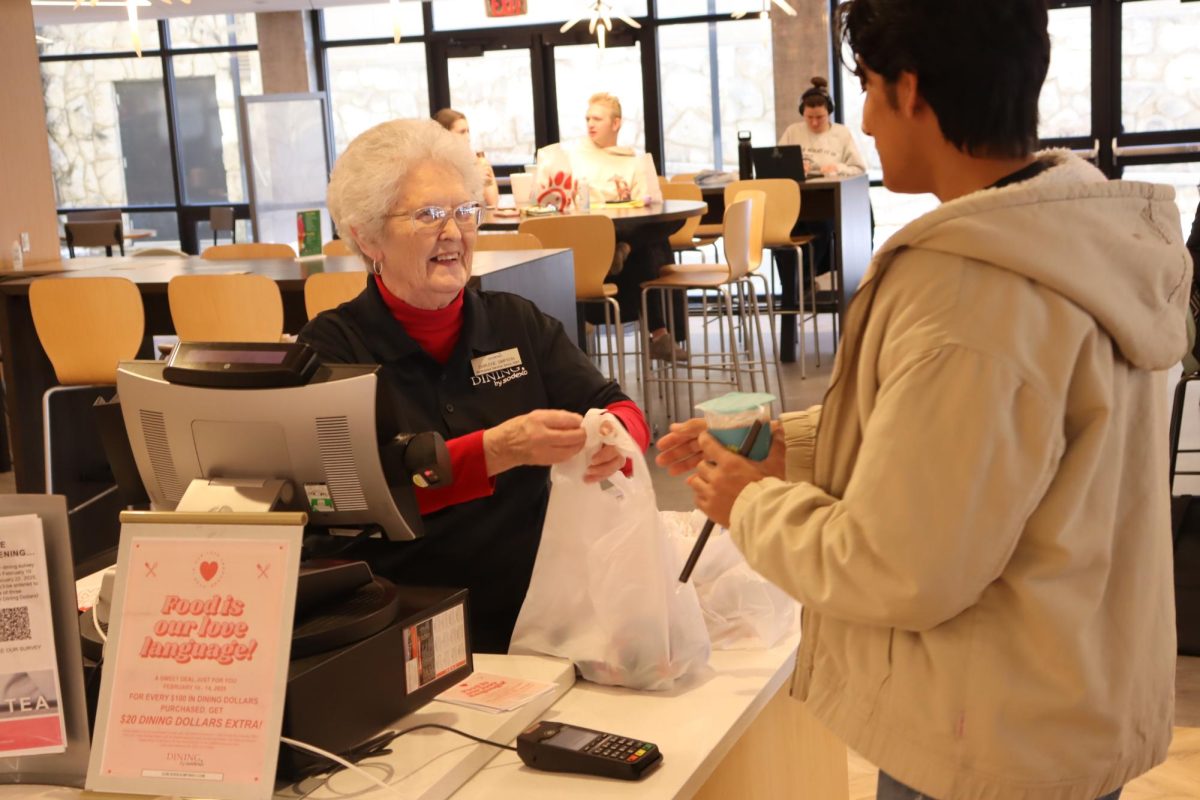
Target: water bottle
583 195
745 163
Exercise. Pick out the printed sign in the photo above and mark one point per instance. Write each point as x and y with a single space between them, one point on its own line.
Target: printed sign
505 8
31 718
308 232
191 701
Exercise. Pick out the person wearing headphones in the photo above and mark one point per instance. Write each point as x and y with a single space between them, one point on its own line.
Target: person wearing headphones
829 147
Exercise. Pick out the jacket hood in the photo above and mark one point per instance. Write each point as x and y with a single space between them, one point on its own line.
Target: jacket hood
1124 262
616 150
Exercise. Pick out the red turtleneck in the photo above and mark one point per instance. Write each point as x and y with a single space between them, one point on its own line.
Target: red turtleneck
437 332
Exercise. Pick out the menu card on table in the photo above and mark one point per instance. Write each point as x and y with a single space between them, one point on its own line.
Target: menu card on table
191 699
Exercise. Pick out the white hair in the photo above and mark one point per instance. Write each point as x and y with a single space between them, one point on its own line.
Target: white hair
370 174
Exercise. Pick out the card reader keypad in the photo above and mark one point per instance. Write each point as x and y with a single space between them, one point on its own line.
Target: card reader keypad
618 748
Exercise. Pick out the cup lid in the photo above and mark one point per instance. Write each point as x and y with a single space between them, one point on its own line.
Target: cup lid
734 402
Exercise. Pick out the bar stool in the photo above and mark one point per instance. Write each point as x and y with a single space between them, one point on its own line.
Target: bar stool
226 308
592 240
684 239
705 234
86 326
742 229
326 290
783 210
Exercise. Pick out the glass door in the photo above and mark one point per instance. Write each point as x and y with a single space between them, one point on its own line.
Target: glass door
493 87
582 70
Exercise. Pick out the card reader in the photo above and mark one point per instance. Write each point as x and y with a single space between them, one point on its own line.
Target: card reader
558 747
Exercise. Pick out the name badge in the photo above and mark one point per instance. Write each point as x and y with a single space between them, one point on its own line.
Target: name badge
495 362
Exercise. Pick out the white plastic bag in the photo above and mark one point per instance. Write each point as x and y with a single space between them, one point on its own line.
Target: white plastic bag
742 609
604 591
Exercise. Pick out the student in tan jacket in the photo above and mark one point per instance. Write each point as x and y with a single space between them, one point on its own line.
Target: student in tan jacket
976 519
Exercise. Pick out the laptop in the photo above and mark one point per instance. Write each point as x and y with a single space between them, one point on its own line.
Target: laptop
780 161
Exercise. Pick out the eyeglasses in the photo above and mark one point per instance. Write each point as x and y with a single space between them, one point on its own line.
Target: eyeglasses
433 218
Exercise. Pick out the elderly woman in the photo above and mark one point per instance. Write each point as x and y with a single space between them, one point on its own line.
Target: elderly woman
491 373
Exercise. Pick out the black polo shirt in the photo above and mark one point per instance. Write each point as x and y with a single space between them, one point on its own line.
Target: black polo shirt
487 545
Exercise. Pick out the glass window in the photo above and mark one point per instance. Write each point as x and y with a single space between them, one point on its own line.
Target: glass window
1184 177
1160 66
374 83
698 8
107 126
372 21
495 91
893 211
220 30
457 15
207 92
582 70
745 96
95 37
1065 105
851 114
152 229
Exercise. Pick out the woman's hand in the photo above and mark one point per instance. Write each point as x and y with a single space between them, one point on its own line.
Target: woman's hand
606 461
539 438
829 169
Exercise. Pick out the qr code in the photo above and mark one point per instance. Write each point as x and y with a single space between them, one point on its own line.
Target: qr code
14 624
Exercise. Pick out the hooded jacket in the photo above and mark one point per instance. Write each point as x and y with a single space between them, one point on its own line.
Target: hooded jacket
976 520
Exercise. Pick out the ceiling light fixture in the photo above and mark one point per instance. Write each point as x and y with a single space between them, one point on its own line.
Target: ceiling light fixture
599 14
395 4
766 6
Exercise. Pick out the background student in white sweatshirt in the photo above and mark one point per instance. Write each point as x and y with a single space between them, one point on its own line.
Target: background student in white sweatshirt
829 147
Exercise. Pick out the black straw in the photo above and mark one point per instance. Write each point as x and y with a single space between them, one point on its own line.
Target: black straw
706 531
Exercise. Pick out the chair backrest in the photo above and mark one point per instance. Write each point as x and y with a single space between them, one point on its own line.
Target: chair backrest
87 325
507 241
326 290
237 252
740 237
684 177
226 308
592 240
336 247
159 251
782 211
758 210
683 191
101 233
103 215
221 219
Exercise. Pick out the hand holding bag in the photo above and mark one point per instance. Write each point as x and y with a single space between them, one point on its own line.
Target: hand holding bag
603 591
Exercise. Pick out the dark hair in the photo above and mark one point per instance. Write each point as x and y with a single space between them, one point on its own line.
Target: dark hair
980 65
817 96
446 117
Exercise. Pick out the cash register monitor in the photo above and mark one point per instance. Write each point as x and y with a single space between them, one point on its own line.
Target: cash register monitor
322 439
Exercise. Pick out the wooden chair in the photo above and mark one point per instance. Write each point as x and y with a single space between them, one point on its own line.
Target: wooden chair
684 239
742 230
326 290
226 308
221 220
782 211
336 247
703 234
592 240
86 326
238 252
107 233
158 251
100 215
507 241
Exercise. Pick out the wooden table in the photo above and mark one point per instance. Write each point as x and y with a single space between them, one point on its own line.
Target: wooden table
670 215
846 203
544 276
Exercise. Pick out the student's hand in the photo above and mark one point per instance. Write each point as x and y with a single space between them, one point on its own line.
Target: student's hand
829 169
542 438
679 449
720 478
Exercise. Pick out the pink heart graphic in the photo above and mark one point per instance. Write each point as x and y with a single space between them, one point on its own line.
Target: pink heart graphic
208 569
